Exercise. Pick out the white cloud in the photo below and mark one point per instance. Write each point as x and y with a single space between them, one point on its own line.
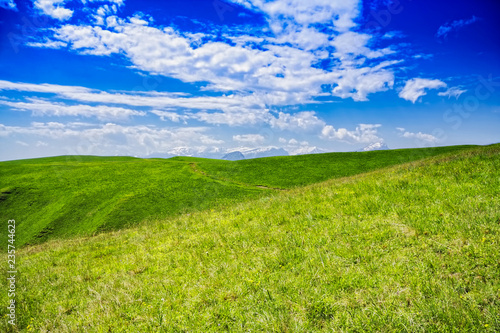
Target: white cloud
419 136
119 3
305 121
447 28
232 110
249 138
452 92
101 13
305 38
357 83
40 107
172 116
417 87
340 13
364 133
113 139
42 88
49 44
355 44
236 109
54 9
150 99
239 118
8 4
277 67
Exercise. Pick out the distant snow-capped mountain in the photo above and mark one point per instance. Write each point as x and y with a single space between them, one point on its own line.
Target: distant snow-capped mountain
261 152
375 146
307 150
234 156
238 153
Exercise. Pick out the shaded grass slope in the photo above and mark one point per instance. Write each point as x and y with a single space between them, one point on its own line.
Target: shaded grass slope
411 248
81 195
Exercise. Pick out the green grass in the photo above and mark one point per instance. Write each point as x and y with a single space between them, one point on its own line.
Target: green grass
410 248
68 196
292 171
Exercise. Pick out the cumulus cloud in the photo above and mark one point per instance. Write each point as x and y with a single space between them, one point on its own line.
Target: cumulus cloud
305 121
249 138
355 44
417 87
447 28
340 13
428 138
109 9
54 9
114 139
364 133
357 83
283 62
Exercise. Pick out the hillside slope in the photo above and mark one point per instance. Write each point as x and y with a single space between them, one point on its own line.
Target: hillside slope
294 171
67 196
407 248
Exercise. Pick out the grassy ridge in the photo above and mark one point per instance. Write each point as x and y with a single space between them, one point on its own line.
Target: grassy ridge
75 195
410 248
292 171
68 196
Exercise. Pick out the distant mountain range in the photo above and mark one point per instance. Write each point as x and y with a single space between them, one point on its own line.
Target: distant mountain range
244 153
248 153
234 156
375 146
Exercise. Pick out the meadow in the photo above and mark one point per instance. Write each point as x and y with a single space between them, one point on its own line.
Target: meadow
68 196
411 247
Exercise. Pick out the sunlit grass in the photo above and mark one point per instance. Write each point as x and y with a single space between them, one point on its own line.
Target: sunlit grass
408 248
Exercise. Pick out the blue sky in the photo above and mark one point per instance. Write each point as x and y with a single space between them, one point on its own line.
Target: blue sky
207 77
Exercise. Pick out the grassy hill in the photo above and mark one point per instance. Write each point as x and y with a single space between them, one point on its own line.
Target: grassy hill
292 171
81 195
61 197
412 247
